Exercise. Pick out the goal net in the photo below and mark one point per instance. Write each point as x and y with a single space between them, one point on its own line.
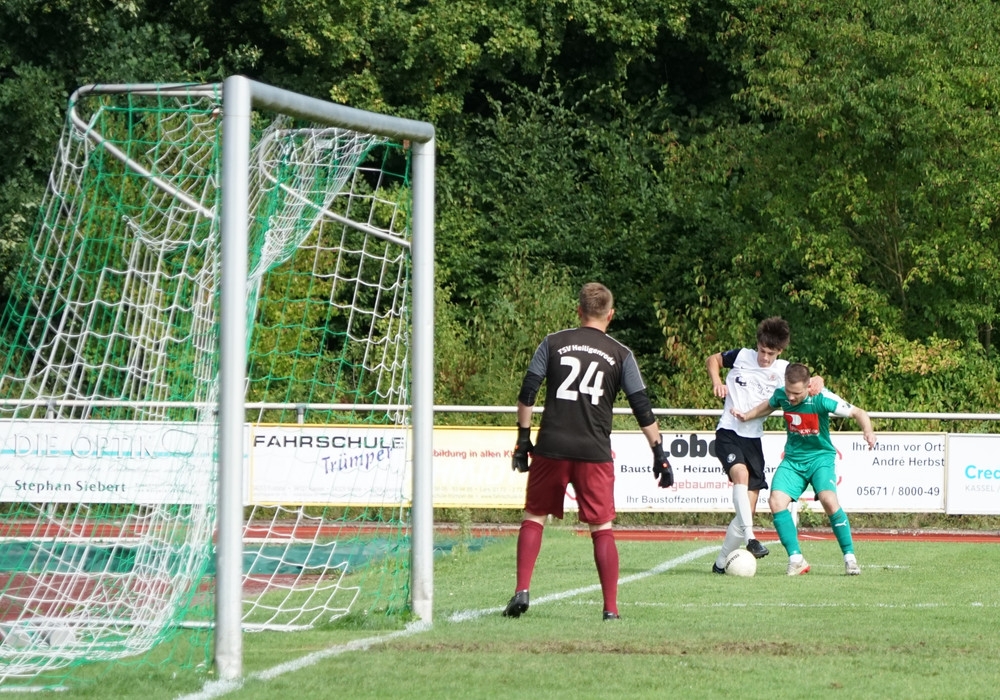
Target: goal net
109 385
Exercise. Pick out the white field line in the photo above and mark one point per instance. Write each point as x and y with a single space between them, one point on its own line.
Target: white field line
839 606
217 689
658 569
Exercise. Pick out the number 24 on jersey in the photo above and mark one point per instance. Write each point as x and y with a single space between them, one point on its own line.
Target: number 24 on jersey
592 382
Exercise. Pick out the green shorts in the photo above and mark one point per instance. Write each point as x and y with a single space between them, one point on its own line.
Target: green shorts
792 479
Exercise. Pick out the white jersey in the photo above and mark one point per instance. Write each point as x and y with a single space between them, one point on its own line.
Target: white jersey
748 384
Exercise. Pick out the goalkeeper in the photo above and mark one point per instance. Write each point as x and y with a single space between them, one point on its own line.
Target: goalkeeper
810 459
583 369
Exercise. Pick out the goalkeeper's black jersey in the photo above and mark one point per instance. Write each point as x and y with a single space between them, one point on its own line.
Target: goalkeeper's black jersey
584 369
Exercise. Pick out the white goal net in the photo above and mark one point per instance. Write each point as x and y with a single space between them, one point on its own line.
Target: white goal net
109 384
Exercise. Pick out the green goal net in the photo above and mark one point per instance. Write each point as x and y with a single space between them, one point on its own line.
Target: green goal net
109 386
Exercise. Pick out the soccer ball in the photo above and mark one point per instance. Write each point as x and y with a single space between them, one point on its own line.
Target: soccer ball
741 563
60 635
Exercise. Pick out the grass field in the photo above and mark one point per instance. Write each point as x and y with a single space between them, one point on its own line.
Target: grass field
922 621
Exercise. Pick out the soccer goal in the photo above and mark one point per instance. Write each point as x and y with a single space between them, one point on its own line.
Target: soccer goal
216 392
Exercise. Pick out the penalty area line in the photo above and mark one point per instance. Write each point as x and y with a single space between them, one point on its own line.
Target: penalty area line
216 689
467 615
219 688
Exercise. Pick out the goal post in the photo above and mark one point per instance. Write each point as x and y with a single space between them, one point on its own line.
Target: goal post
216 381
240 97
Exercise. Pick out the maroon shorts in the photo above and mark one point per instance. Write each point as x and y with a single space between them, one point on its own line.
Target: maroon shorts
593 487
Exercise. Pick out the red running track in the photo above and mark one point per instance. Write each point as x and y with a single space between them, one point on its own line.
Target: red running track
673 534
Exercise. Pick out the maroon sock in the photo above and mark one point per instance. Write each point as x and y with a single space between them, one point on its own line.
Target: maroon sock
529 543
606 558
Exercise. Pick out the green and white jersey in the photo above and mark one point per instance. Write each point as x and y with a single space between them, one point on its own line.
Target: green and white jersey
807 424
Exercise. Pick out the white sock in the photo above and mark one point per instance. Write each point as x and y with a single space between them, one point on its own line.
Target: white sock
795 558
744 515
730 543
850 557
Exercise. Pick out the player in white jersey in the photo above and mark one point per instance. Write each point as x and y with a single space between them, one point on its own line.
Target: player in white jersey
752 377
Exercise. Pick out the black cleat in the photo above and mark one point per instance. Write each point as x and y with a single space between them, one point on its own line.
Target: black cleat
611 616
517 605
717 569
758 550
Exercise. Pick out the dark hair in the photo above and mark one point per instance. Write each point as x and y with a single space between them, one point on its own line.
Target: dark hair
596 300
773 333
796 372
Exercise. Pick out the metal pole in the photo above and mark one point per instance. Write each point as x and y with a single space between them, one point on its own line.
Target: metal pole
232 376
422 247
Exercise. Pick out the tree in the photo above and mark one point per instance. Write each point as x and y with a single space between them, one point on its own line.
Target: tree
50 49
712 161
872 186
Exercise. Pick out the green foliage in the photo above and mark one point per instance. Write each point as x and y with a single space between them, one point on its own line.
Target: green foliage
482 361
713 163
875 214
553 185
50 49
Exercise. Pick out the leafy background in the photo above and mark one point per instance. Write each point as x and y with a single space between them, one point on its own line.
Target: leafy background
712 162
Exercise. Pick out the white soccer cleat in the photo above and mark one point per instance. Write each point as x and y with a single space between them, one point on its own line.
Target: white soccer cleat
796 568
851 567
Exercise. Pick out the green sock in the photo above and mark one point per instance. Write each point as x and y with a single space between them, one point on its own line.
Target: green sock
842 531
787 532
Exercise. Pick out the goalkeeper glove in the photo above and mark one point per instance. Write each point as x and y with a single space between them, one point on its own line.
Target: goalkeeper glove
661 467
519 461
